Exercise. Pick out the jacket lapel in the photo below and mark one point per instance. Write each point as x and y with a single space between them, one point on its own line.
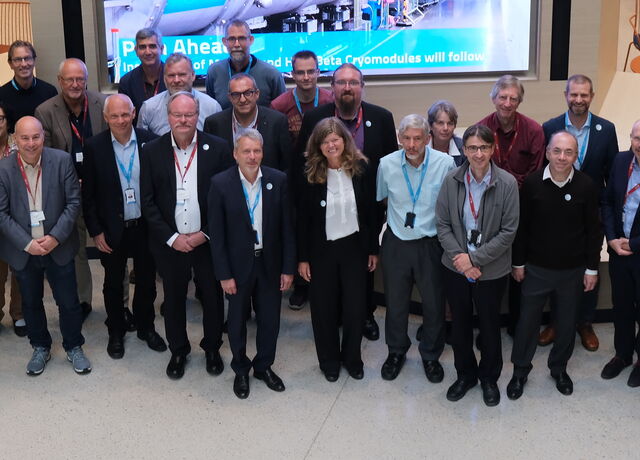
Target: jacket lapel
47 178
242 202
267 200
62 119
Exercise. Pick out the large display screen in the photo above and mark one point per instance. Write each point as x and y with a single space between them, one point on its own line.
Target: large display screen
381 37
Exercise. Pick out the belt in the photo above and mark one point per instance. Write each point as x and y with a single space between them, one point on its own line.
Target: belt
131 223
257 252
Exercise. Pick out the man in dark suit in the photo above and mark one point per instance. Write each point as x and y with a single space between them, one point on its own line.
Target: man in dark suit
373 131
246 113
39 204
111 204
597 147
253 254
621 223
175 173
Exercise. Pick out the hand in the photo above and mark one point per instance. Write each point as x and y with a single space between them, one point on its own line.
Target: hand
48 243
621 246
372 263
101 243
518 274
196 239
229 286
285 281
589 282
35 249
462 262
182 244
304 269
473 273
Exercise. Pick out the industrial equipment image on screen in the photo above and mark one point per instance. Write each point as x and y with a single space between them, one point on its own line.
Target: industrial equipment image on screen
381 37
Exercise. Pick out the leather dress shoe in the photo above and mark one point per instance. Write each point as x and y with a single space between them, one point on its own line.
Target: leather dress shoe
162 309
356 374
215 366
331 376
419 333
86 309
547 336
460 388
270 378
392 366
241 386
433 370
129 322
563 383
20 331
371 330
115 347
298 297
634 376
175 368
153 339
613 368
515 387
588 337
490 393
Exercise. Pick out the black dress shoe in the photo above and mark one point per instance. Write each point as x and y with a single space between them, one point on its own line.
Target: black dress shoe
490 393
162 309
215 366
332 376
270 378
153 339
371 330
115 347
634 376
86 309
357 374
392 366
433 370
241 386
613 368
515 387
460 388
419 334
563 383
20 331
298 297
175 368
129 322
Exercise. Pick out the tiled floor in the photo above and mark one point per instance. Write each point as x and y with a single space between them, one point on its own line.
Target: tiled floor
130 409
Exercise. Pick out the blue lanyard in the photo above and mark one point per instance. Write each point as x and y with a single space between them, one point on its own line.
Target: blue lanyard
414 197
252 208
127 173
247 69
295 98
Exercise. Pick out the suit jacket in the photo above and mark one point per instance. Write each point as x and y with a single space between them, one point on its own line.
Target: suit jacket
158 183
271 124
232 236
102 201
60 203
54 116
601 150
612 205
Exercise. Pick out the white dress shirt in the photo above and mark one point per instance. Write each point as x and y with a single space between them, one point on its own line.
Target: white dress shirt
342 212
252 191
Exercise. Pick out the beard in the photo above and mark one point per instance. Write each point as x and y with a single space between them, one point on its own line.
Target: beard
347 106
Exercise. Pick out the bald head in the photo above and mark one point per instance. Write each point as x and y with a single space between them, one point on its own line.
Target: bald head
29 137
119 113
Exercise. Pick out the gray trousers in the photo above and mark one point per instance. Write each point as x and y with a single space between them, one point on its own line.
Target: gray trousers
83 273
405 263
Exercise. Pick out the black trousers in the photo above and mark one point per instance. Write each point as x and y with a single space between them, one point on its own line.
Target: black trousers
486 296
625 293
134 245
264 289
338 279
175 269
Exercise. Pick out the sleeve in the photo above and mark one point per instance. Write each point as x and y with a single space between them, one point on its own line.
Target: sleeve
382 190
593 228
444 224
607 206
11 230
278 85
67 219
284 143
303 222
46 124
217 220
519 256
210 85
144 117
150 209
288 234
612 151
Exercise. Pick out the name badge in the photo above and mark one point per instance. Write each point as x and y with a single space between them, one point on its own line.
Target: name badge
36 218
79 157
181 196
130 195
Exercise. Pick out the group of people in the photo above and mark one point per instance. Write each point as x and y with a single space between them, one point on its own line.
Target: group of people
252 190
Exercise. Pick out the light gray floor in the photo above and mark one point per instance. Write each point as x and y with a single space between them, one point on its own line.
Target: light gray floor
130 409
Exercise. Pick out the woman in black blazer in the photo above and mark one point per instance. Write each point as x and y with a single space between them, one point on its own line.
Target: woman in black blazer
337 244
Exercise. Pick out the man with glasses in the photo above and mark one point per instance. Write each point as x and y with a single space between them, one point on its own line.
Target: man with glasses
238 40
178 76
24 92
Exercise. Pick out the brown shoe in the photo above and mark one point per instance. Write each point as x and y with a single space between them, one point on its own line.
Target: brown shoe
589 338
547 336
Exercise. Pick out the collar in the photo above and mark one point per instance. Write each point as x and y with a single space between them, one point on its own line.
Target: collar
499 126
27 165
248 184
237 123
486 180
193 141
403 158
252 63
17 87
567 122
547 175
133 138
453 148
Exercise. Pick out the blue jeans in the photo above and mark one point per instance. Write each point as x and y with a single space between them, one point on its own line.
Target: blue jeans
62 280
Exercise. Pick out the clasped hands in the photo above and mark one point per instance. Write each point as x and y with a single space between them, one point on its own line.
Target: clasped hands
462 263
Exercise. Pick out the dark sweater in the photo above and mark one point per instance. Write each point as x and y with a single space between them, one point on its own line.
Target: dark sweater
556 232
24 101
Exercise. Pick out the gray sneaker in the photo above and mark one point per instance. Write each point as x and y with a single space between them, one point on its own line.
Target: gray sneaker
81 363
38 360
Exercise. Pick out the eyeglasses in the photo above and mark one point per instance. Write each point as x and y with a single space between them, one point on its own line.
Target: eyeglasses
72 80
26 60
183 115
351 83
241 39
235 96
302 73
484 148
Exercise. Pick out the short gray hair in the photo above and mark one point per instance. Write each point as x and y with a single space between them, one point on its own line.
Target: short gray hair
507 81
183 93
116 96
250 133
237 23
442 106
148 32
413 121
177 57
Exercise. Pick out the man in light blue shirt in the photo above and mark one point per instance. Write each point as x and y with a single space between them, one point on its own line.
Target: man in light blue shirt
409 181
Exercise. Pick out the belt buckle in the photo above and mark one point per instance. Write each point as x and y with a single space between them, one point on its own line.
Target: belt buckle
257 252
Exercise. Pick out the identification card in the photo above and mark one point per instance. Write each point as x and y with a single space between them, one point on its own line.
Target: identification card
410 220
130 195
79 157
475 237
182 195
36 218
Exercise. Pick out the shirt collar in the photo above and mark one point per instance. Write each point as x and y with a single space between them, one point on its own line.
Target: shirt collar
485 180
17 87
27 165
547 175
133 138
193 141
403 160
244 180
237 123
453 148
567 122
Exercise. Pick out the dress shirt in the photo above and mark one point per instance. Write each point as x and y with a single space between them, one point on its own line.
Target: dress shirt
476 189
252 191
453 148
342 211
582 135
237 128
123 158
187 214
391 185
631 205
35 183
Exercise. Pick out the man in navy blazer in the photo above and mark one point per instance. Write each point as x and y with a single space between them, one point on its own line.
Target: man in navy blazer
253 251
621 222
597 147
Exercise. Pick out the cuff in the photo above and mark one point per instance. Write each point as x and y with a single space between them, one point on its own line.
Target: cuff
172 239
517 266
591 272
26 248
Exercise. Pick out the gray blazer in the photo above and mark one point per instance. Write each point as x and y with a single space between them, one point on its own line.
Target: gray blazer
498 215
60 203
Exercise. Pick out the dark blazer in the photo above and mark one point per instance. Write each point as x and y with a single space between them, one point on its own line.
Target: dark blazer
60 203
601 150
132 84
271 124
312 216
612 204
158 183
232 236
102 201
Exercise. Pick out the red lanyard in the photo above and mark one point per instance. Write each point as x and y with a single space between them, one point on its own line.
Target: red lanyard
635 187
358 122
513 141
155 90
84 119
26 181
175 158
471 204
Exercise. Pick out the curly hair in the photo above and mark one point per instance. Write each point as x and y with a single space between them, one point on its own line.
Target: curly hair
316 166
